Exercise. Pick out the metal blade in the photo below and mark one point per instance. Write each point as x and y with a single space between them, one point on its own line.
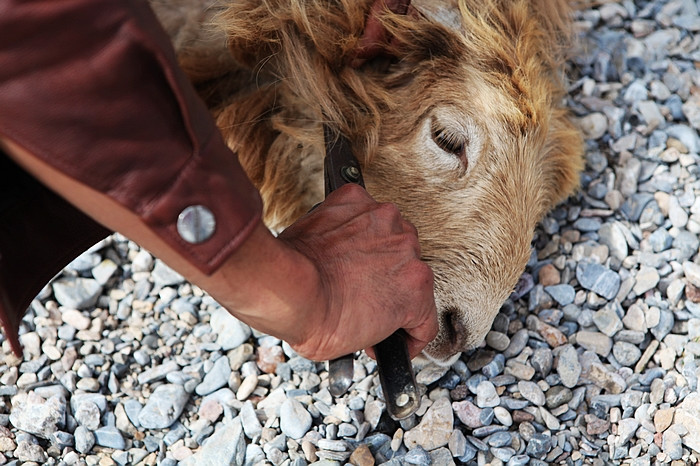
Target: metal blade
340 373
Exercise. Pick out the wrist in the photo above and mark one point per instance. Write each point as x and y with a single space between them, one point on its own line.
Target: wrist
270 286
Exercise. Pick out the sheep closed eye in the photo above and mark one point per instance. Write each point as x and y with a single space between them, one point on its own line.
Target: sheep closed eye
451 142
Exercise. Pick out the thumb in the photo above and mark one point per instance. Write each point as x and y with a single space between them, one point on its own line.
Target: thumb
419 337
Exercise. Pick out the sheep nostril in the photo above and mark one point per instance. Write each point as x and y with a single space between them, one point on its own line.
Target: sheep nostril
454 329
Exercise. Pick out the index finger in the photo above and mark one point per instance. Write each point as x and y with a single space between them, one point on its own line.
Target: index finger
349 193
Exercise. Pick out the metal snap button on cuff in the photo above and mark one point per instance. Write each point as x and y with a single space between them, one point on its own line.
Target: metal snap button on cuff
196 224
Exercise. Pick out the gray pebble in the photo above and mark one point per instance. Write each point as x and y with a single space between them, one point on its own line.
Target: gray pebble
158 372
417 456
518 460
333 445
226 446
691 22
503 453
524 285
486 416
635 204
568 366
38 416
346 430
672 445
660 240
84 439
486 396
84 262
593 125
176 432
563 294
457 443
503 416
595 341
588 224
541 360
495 367
626 429
254 454
531 392
104 271
625 353
295 420
300 364
652 374
646 279
538 445
497 340
216 378
598 279
132 408
109 437
142 262
686 135
687 244
231 331
431 373
608 319
62 439
88 415
474 381
512 403
664 326
76 292
249 421
163 407
469 454
557 396
165 276
499 439
517 343
486 431
550 225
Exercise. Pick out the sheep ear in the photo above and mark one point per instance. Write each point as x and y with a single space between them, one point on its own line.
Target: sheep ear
375 39
445 12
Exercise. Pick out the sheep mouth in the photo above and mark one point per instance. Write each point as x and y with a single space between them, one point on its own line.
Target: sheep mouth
454 337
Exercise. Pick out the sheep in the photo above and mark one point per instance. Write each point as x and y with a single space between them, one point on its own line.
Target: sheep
454 109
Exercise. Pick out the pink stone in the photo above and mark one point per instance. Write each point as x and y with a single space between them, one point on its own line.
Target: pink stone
269 357
210 410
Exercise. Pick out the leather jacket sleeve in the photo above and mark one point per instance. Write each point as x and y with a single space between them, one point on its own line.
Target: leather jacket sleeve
92 88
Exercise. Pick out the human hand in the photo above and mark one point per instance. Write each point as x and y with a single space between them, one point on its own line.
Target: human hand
373 281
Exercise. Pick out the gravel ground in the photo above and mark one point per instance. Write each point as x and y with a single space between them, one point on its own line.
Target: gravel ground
591 361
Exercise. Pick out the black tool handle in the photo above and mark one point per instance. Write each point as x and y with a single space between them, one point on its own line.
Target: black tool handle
340 165
396 376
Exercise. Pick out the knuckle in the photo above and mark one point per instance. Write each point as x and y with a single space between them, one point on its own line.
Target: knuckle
411 239
411 228
348 194
421 274
389 209
353 190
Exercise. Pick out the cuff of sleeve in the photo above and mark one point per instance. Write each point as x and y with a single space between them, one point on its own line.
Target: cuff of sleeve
208 210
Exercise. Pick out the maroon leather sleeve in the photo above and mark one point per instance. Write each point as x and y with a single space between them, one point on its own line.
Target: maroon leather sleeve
92 88
40 233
